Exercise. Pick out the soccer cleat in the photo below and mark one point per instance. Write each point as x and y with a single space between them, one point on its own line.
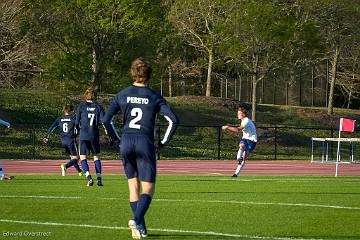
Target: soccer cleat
135 233
90 182
6 177
99 183
80 174
63 170
143 232
235 175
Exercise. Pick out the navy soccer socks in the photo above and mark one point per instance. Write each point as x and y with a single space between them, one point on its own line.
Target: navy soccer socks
98 168
133 206
70 163
74 163
142 207
98 172
85 167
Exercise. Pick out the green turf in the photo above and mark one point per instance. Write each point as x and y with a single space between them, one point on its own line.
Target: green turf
245 208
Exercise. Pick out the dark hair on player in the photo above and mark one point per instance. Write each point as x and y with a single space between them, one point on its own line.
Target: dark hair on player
68 108
140 70
243 110
90 94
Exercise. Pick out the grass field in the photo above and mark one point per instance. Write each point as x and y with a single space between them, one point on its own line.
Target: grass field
184 207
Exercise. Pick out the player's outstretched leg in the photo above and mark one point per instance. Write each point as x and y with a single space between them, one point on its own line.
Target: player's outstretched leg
240 160
239 167
64 167
85 167
72 162
98 172
77 167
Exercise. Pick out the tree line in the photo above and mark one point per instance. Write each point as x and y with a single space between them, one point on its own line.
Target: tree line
70 44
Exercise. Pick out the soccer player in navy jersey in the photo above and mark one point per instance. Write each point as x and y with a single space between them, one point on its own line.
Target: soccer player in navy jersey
3 176
66 123
138 106
88 119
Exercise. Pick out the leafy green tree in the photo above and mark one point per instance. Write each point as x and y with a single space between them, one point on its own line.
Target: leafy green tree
255 25
201 24
348 76
339 25
302 48
89 39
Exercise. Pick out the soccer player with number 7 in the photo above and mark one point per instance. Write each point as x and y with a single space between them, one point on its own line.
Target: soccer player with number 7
138 106
66 123
88 119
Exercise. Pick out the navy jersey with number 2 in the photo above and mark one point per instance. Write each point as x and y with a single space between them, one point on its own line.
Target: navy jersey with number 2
139 106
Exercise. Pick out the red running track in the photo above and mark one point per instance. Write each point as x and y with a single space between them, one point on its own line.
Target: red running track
194 167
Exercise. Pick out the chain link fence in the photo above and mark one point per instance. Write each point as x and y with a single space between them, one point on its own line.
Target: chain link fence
24 141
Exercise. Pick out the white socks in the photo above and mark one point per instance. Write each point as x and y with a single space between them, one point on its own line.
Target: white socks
240 154
239 167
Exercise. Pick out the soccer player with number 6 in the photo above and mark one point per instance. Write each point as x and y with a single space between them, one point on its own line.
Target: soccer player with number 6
139 105
88 119
66 123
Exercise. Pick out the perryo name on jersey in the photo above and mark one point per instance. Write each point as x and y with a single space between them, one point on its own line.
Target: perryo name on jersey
137 100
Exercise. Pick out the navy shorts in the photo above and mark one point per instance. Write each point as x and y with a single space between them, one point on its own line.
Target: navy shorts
89 146
249 145
71 148
138 154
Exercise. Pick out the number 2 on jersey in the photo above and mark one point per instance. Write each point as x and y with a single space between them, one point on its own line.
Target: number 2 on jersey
137 113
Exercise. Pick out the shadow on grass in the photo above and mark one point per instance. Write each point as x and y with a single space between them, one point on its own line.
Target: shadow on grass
185 236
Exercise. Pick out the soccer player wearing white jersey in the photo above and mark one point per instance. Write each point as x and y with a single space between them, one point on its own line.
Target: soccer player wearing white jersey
3 176
249 138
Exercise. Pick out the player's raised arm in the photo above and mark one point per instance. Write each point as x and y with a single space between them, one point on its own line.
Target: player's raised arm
172 119
109 122
230 128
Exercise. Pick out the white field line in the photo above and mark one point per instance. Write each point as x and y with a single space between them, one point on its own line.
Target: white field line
154 229
291 179
192 200
261 203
